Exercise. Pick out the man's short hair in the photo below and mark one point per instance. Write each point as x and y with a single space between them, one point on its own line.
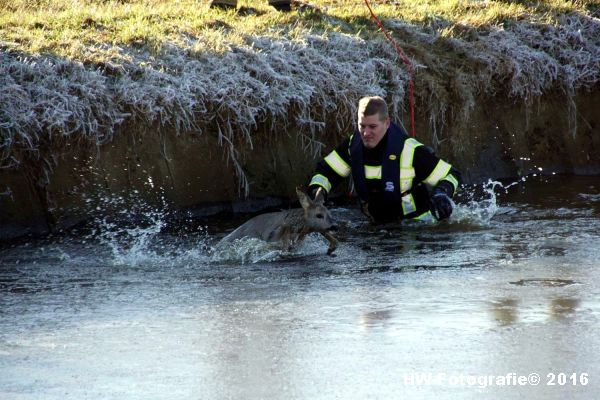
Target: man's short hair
372 105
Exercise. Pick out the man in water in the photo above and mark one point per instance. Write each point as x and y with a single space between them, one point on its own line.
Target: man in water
395 176
279 5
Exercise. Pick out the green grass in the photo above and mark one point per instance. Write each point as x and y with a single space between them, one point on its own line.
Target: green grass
86 30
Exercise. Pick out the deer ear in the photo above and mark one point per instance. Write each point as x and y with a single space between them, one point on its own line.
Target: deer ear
319 197
305 201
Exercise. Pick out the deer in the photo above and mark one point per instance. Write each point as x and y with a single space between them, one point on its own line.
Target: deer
289 227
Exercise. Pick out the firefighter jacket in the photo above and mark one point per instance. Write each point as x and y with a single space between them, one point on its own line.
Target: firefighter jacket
393 180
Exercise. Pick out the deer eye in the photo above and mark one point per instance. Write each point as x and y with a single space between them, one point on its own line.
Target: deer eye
320 216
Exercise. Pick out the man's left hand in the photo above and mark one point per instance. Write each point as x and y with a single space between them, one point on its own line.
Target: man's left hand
441 205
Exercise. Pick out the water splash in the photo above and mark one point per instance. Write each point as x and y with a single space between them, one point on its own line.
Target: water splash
135 235
131 246
245 251
482 203
252 250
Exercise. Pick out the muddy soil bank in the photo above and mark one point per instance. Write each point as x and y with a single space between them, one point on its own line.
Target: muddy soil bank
192 174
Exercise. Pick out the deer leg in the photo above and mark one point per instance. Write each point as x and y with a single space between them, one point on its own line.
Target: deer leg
294 240
332 242
287 242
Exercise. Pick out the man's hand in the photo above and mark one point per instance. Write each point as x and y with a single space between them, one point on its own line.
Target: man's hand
441 205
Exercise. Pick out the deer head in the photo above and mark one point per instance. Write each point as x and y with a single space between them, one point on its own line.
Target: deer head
316 216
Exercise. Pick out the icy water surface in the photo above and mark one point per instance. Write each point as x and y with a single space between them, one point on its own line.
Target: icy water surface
473 308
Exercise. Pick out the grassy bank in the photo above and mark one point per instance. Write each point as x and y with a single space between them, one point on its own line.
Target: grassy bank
74 71
85 30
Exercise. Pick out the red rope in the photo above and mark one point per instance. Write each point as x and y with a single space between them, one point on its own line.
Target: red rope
411 89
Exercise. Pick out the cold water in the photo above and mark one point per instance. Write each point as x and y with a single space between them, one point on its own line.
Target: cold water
475 306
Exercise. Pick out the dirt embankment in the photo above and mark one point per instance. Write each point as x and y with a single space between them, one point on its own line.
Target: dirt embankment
502 138
206 132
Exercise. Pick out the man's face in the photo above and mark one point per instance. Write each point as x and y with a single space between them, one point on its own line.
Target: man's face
372 129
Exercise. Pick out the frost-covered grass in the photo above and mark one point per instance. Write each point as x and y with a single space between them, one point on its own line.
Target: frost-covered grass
72 71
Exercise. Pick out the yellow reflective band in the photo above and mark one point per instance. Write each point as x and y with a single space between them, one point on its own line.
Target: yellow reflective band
408 204
321 181
407 172
406 178
373 172
439 172
408 152
450 178
337 164
425 217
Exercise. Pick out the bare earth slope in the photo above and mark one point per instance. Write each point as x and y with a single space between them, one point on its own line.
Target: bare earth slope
193 107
